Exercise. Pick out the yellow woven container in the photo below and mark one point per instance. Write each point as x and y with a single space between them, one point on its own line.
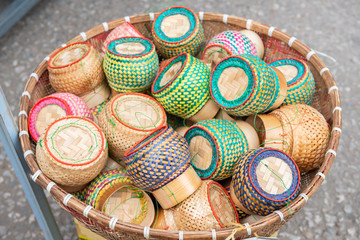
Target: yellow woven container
76 68
72 152
127 118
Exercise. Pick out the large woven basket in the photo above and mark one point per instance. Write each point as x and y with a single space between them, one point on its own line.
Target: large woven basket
277 45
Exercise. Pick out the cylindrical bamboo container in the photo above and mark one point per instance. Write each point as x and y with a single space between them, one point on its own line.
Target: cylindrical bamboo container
182 88
244 85
97 96
310 134
127 118
177 30
72 152
209 207
76 68
226 44
131 64
55 106
299 79
264 180
215 146
113 193
173 179
250 134
124 30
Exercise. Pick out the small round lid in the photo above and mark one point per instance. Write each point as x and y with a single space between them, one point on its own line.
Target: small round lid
138 111
175 26
232 83
74 141
69 55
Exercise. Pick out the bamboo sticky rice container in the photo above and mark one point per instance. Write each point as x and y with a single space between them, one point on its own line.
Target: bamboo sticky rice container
215 146
182 88
113 193
97 96
173 179
245 85
264 180
209 207
72 152
55 106
127 118
76 68
177 30
131 64
226 44
299 79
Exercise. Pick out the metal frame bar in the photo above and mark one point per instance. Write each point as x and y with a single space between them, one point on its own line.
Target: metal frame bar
34 193
13 13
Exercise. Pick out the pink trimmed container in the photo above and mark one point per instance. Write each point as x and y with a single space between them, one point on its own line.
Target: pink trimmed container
124 30
55 106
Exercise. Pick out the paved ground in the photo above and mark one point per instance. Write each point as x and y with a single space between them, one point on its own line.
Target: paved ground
331 27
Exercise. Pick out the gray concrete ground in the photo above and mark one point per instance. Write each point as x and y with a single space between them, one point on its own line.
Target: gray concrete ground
331 27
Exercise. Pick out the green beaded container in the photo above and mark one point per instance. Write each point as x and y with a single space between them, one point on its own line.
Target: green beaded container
300 81
131 64
215 146
257 94
185 90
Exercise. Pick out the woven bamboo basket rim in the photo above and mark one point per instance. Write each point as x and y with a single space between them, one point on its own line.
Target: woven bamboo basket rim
76 205
53 55
135 55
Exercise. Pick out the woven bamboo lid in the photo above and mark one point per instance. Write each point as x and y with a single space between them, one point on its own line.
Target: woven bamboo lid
289 71
47 115
255 38
70 55
232 83
130 205
171 73
175 26
130 48
137 111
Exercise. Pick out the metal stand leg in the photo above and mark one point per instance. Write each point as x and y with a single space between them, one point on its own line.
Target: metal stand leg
34 193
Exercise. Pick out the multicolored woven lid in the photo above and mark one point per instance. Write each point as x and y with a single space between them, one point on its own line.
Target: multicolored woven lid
182 87
55 106
265 180
177 30
130 64
300 81
215 146
244 85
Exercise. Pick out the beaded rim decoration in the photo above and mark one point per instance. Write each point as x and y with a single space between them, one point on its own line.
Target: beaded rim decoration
39 105
297 63
156 88
255 161
149 46
141 95
103 142
228 197
68 46
216 74
173 11
203 132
